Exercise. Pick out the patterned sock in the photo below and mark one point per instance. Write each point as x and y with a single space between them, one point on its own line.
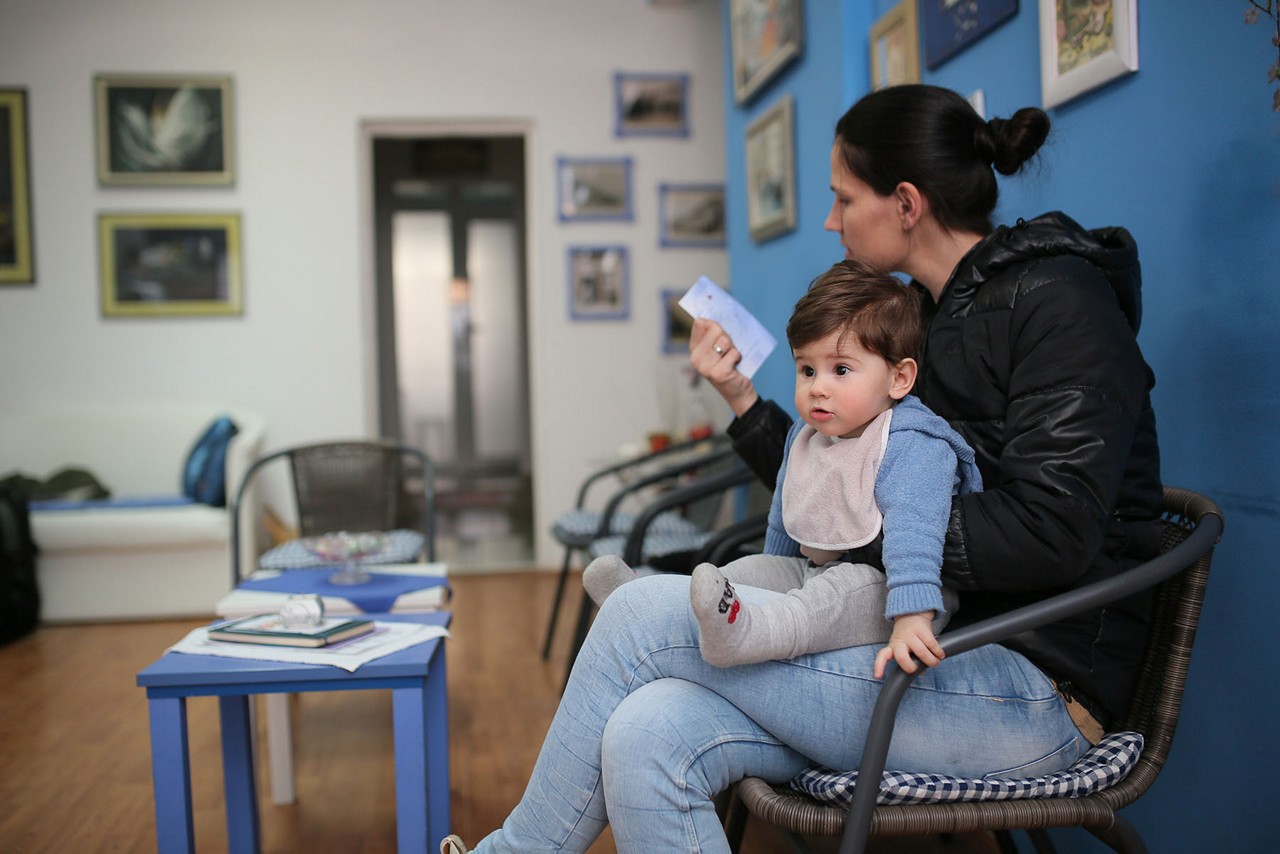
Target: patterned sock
724 621
604 575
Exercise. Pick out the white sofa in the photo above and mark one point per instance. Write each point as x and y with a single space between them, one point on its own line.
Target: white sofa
130 563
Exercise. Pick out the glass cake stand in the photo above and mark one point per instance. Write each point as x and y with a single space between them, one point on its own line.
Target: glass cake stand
348 548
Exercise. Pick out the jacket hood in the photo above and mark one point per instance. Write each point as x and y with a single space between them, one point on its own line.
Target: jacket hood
1112 250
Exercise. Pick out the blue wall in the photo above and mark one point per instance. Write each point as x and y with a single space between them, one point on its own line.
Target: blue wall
1183 153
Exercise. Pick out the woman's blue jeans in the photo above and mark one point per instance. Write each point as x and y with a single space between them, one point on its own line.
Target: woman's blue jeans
647 733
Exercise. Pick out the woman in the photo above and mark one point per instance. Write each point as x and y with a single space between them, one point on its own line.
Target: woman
1030 354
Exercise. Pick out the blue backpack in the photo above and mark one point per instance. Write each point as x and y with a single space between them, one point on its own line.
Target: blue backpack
204 477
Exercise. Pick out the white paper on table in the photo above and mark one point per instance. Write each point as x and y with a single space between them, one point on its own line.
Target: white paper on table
349 655
709 300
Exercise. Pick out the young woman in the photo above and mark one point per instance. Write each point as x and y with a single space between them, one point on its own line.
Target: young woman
1030 354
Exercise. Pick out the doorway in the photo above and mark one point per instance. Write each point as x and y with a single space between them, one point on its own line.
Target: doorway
450 316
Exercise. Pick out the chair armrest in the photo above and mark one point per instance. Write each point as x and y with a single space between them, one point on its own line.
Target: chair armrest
632 552
715 441
661 476
724 542
896 682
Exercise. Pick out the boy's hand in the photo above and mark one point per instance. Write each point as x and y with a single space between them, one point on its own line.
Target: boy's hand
912 635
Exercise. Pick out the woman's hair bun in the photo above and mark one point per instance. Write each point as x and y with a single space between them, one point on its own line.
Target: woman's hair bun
1010 143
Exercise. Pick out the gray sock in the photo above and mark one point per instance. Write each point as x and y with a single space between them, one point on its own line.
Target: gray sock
725 621
604 575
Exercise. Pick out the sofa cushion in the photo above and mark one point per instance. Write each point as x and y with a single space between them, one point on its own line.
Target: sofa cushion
128 528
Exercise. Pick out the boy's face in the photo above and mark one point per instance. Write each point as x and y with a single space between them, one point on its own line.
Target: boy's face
841 387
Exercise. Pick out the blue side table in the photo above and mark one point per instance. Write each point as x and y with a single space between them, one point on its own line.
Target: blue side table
416 677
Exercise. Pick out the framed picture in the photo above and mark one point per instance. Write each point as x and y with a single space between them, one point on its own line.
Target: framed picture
691 214
1085 43
17 263
765 36
170 264
598 286
651 104
594 188
950 26
895 47
164 130
677 324
771 172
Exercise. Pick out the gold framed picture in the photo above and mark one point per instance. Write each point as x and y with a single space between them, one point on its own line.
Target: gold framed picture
17 262
895 47
771 172
170 265
175 129
766 36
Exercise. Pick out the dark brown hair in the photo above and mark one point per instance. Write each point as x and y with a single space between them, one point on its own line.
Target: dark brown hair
879 311
931 137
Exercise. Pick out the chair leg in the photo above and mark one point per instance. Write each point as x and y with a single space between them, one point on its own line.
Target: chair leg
734 817
1120 836
585 613
1039 840
555 605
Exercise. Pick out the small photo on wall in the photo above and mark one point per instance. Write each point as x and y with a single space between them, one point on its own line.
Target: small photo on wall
594 188
691 214
677 324
598 286
174 130
651 104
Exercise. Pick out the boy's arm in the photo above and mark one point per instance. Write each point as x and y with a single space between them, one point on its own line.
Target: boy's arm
913 492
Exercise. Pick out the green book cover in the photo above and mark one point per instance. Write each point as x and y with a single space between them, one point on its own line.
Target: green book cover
270 629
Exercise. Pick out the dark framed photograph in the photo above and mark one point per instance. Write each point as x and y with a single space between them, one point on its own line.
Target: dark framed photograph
950 26
765 37
771 172
651 104
598 283
17 257
175 130
170 265
1084 44
691 214
594 188
677 324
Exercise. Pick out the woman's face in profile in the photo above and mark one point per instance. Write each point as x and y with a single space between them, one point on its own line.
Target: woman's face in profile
869 224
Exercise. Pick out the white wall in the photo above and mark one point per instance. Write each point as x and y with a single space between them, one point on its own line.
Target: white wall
306 74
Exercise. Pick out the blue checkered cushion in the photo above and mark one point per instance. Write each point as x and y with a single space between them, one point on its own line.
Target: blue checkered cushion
403 546
1109 762
656 544
578 527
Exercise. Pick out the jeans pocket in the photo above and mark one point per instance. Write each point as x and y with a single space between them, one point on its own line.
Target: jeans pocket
1056 760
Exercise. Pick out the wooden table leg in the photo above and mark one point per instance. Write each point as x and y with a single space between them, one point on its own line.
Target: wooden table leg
237 773
171 775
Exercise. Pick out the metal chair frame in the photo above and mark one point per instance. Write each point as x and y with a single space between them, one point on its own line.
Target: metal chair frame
1193 524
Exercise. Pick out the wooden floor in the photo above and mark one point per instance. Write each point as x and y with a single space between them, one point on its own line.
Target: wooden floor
75 765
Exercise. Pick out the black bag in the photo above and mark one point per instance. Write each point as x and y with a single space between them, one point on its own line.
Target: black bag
19 595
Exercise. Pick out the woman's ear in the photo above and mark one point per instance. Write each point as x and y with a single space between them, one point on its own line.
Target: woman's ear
912 204
902 378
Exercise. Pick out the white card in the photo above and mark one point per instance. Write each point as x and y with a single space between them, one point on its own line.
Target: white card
709 300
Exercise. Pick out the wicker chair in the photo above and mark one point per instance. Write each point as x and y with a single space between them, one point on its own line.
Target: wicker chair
1192 525
358 485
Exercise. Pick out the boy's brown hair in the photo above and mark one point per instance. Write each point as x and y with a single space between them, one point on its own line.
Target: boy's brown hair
879 311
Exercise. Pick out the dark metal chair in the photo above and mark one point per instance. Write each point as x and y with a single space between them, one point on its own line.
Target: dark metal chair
356 485
1192 526
577 528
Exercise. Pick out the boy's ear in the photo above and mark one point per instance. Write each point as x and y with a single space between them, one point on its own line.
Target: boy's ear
903 378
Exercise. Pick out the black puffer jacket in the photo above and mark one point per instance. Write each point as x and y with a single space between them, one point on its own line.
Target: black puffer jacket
1031 355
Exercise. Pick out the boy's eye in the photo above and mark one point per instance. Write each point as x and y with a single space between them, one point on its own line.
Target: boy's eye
806 371
841 370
